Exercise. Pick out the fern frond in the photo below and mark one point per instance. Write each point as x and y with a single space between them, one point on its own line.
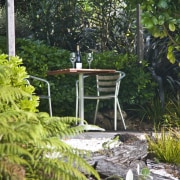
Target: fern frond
55 169
15 152
9 95
63 126
63 153
80 163
13 129
49 147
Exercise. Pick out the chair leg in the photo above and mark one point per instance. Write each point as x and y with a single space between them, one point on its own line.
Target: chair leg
121 114
115 114
97 106
49 99
50 106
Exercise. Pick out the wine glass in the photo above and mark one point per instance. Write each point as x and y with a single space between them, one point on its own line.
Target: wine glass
89 59
73 58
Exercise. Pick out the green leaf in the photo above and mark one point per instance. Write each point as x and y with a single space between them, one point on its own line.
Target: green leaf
145 172
149 24
163 4
172 27
170 56
155 21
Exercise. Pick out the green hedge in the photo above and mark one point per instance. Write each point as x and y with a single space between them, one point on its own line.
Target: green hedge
136 88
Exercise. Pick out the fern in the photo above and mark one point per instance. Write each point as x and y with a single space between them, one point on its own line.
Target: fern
31 145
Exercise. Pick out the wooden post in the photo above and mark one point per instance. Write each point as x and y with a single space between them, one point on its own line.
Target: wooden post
10 27
140 42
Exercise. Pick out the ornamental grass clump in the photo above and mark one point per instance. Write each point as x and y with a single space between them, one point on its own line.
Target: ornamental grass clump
166 146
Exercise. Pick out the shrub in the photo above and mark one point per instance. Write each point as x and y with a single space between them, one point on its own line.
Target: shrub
14 74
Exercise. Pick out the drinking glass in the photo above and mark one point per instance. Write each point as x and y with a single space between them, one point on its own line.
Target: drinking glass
73 58
89 59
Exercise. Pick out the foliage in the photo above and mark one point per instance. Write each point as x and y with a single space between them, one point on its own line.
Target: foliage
101 26
36 55
138 80
3 44
161 68
161 19
98 25
143 174
2 22
22 24
172 116
14 74
31 145
166 145
152 111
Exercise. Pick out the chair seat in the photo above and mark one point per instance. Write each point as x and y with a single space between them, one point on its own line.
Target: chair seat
109 96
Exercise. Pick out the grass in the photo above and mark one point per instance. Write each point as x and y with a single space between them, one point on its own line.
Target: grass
166 145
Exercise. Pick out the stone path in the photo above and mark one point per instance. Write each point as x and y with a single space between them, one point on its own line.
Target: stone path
95 141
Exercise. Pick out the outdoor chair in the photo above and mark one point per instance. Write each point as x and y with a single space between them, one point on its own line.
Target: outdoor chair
108 86
48 95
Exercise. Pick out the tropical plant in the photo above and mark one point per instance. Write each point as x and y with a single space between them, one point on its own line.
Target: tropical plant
31 145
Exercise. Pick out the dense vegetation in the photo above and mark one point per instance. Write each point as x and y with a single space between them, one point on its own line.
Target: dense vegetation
48 30
31 145
109 29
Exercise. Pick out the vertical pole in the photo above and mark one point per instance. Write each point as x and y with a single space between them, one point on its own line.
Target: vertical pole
10 27
81 98
140 42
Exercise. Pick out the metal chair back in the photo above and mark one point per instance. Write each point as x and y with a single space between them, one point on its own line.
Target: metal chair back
108 86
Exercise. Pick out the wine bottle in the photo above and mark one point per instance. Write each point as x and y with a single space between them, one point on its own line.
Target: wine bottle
78 58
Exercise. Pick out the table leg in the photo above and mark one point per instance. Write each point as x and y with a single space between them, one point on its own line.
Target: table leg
81 98
87 127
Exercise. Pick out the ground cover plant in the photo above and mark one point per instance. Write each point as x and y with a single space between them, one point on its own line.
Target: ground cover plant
165 146
31 145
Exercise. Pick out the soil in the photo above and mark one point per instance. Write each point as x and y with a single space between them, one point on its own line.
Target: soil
106 120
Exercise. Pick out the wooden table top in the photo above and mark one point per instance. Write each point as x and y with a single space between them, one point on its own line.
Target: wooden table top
78 71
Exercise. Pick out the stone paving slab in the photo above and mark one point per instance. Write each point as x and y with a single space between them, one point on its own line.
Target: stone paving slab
108 134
